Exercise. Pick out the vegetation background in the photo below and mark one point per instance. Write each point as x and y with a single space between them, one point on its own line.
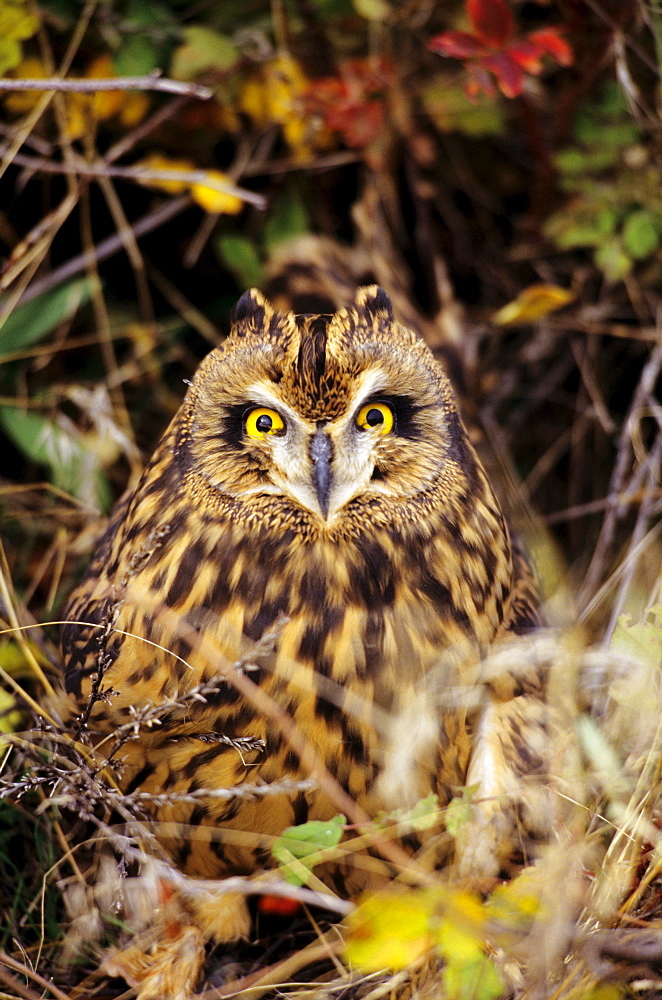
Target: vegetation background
496 164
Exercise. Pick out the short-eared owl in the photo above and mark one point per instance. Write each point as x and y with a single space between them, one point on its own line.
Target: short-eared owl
316 484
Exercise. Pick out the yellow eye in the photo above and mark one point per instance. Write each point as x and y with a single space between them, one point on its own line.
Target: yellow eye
377 416
262 421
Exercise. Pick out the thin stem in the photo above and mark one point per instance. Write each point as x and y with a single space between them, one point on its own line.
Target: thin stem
140 175
153 81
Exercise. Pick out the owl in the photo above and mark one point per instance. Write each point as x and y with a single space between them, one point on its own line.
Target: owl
303 583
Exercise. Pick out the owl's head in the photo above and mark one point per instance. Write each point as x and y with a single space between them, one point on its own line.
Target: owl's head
325 411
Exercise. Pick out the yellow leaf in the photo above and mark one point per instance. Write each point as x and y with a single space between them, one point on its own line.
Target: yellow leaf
19 103
17 22
14 661
286 84
214 200
296 134
513 907
135 107
78 114
105 103
156 162
461 932
12 718
277 96
533 303
253 101
389 930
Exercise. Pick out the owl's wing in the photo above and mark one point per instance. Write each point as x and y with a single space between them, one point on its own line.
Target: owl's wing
525 598
89 613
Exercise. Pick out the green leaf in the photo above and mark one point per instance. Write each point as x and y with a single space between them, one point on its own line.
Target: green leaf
468 973
304 841
10 54
372 10
475 979
583 161
610 136
459 810
73 466
139 14
605 221
17 22
424 815
203 49
316 835
287 219
137 56
452 111
12 716
29 323
612 260
580 225
241 258
640 234
643 640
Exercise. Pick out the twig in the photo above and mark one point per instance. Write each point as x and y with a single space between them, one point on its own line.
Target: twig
106 248
193 316
225 794
265 886
139 175
653 476
25 970
144 128
153 81
633 553
24 992
287 166
616 486
596 506
272 978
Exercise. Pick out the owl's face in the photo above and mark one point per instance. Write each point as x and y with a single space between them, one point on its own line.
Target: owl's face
322 410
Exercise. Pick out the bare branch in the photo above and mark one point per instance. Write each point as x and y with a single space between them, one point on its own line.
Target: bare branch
139 174
153 81
106 248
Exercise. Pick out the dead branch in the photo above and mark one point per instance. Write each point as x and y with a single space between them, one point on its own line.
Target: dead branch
153 81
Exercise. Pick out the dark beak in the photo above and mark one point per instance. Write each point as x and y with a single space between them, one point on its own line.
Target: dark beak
321 451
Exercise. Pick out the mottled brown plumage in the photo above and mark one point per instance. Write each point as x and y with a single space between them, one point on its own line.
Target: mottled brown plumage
381 556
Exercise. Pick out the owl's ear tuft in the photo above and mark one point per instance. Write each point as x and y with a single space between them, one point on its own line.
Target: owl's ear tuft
373 300
252 309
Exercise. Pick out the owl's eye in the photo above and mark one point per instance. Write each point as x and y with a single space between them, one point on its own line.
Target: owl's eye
262 421
376 415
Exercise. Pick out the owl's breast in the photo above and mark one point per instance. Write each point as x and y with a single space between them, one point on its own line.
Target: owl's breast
365 618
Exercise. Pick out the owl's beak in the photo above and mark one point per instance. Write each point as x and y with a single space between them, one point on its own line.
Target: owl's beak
321 451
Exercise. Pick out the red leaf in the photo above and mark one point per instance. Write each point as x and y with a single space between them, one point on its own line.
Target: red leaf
551 41
358 123
492 20
279 905
507 72
480 82
457 44
527 56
